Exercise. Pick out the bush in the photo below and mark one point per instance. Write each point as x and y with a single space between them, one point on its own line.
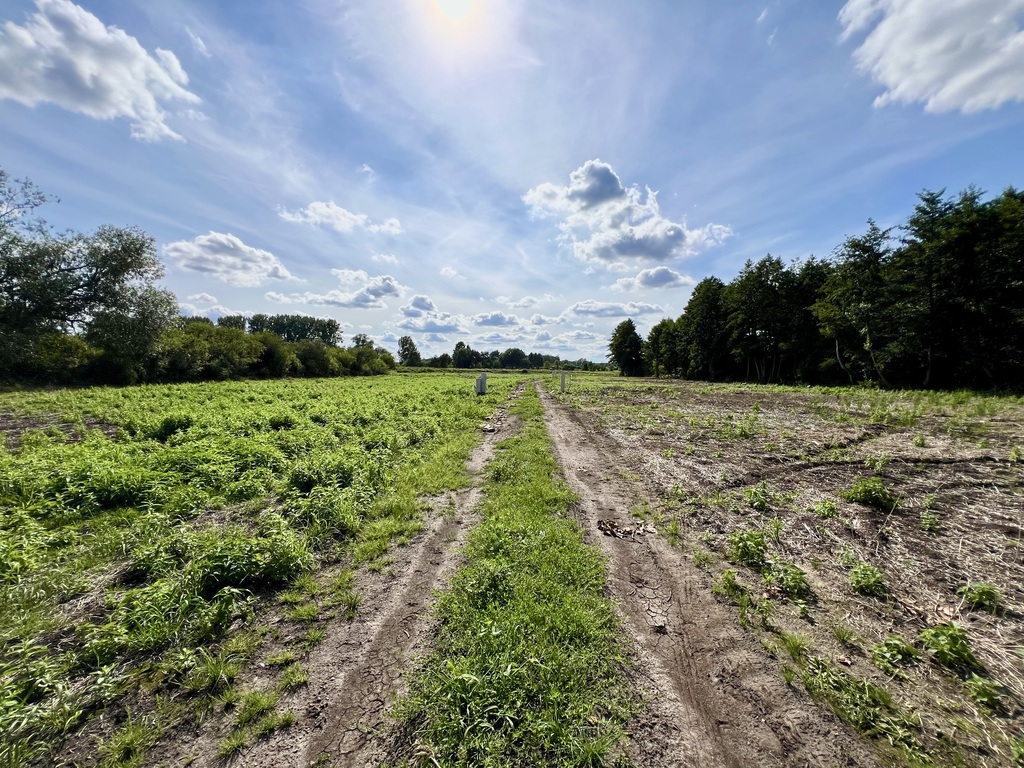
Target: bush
871 491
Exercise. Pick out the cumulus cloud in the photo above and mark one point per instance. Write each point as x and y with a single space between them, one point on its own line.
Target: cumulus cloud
384 258
524 303
66 56
538 319
451 273
606 222
418 306
202 298
440 322
358 291
226 258
593 308
659 277
963 55
497 319
498 338
329 214
542 336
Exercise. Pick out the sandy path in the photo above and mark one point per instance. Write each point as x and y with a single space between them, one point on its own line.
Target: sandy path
716 699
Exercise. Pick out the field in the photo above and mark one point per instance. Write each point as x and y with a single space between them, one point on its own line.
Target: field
870 542
393 571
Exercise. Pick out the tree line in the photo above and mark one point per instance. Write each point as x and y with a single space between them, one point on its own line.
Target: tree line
85 308
936 302
464 356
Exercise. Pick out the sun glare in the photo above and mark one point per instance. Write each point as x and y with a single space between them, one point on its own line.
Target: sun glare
456 10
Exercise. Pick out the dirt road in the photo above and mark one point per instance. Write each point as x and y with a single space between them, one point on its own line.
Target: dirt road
715 698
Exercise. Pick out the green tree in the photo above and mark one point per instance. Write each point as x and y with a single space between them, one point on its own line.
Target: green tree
626 349
407 352
703 331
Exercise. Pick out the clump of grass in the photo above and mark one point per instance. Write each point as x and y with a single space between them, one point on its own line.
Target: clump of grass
281 658
212 672
796 646
253 705
294 677
727 585
893 653
314 636
950 647
872 492
919 440
307 612
232 744
878 462
749 548
269 723
980 595
844 635
867 580
126 747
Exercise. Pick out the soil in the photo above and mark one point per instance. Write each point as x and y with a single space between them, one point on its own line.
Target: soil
687 459
714 698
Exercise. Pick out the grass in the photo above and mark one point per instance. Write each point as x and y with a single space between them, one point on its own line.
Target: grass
528 664
300 474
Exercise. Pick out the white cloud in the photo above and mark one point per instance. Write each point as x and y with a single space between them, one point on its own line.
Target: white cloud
606 222
497 319
441 322
948 54
366 170
542 336
524 303
419 306
384 258
593 308
538 319
66 56
202 298
225 257
763 16
659 277
451 273
358 291
497 338
328 213
197 43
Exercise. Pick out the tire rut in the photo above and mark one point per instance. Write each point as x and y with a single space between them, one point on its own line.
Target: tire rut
714 700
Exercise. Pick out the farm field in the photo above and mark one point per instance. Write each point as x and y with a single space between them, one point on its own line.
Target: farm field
867 544
396 572
158 542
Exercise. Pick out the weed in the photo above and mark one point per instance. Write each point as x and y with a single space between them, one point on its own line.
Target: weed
232 744
984 692
950 647
788 579
728 586
211 673
981 596
314 636
863 705
930 521
825 509
848 557
872 492
788 674
701 557
893 653
844 635
126 747
1017 752
308 612
294 677
796 645
773 529
253 705
762 498
867 580
749 548
281 658
877 463
272 722
919 440
1016 454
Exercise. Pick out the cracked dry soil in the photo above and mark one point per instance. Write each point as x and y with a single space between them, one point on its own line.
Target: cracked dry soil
713 698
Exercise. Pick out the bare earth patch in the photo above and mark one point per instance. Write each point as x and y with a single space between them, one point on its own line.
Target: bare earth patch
714 698
705 464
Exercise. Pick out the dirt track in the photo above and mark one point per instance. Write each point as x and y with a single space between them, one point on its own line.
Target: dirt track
715 699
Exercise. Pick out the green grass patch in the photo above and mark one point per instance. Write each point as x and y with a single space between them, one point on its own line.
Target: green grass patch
529 662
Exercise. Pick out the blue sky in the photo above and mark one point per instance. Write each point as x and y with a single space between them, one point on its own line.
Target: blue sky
500 172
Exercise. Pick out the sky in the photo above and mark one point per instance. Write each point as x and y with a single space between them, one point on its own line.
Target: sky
505 173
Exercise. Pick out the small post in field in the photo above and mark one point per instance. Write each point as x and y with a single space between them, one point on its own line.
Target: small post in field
563 381
481 384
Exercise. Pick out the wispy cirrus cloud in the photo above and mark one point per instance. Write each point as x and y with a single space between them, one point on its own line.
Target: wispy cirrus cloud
947 54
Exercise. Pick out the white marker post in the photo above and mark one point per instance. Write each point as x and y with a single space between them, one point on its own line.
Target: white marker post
563 381
481 384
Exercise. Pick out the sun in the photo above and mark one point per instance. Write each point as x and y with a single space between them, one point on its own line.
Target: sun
455 10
